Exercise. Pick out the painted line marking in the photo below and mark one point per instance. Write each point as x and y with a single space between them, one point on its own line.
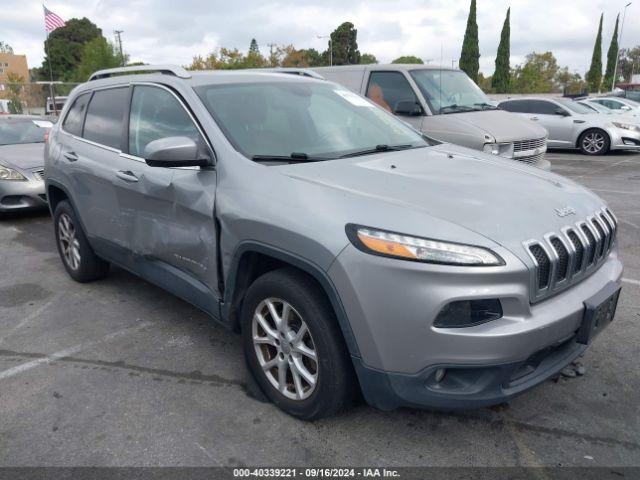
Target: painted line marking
69 351
630 223
621 192
631 281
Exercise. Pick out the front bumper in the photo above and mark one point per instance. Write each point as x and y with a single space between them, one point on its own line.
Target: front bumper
625 139
22 195
391 305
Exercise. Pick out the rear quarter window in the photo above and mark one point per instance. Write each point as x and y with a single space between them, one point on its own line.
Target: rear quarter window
73 121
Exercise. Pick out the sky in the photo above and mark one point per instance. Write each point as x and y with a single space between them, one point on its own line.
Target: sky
173 31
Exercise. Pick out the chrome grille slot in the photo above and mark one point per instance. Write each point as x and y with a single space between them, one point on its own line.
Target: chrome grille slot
563 259
591 244
543 263
566 257
579 249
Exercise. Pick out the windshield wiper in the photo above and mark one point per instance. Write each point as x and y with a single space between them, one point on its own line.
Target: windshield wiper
296 157
378 149
455 108
485 106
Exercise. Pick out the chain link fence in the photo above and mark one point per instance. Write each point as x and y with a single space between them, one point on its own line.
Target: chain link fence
34 98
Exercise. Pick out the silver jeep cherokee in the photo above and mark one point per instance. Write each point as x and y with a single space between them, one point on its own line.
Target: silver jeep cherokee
349 251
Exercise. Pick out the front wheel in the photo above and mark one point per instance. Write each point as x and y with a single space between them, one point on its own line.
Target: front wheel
294 347
594 142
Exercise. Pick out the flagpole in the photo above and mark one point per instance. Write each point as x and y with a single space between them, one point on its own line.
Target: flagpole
46 48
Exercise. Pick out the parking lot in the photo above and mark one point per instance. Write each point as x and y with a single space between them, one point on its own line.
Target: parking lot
119 372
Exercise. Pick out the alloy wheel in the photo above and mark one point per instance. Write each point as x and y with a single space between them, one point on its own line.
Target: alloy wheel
593 142
285 349
68 240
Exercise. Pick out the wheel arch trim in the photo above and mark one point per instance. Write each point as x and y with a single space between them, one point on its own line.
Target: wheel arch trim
312 269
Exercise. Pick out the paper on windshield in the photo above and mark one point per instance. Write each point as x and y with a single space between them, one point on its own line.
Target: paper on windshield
354 99
42 123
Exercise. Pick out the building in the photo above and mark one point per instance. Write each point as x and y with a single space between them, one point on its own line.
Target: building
10 63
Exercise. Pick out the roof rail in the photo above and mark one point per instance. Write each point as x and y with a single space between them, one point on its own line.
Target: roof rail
303 72
174 70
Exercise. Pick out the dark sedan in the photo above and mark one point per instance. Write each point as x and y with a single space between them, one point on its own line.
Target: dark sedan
22 140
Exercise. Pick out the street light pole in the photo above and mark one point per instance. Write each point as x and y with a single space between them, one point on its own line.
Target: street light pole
615 70
330 47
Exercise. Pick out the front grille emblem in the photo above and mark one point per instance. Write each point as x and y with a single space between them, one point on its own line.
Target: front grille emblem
565 211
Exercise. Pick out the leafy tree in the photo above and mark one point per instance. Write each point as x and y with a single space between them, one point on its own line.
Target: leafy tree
368 59
485 83
537 75
612 56
501 79
629 62
65 46
408 59
15 86
314 58
344 45
571 82
470 55
5 48
254 58
97 54
594 75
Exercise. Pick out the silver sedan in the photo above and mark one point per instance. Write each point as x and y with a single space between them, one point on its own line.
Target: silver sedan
22 140
572 125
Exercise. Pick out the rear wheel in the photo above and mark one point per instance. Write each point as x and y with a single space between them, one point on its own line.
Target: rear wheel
77 256
293 346
594 142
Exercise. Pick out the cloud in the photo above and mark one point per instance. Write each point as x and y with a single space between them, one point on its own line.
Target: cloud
167 31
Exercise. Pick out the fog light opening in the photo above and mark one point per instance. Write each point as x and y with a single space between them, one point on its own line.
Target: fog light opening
440 373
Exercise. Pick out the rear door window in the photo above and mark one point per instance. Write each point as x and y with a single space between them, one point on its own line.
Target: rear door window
387 89
516 106
105 116
156 114
73 121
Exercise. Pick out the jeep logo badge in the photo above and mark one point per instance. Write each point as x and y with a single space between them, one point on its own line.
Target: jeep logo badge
565 211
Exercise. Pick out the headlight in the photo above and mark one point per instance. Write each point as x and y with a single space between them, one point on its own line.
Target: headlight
396 245
7 173
500 149
627 126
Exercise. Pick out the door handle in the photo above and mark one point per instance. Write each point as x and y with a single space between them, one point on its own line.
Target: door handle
127 176
71 156
535 119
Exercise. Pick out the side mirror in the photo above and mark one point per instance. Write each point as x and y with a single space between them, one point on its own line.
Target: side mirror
175 152
408 108
562 112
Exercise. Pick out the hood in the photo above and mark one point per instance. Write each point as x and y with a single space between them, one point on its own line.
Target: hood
502 200
503 126
25 156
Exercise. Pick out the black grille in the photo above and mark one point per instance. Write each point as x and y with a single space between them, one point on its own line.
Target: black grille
544 265
591 248
563 259
602 237
577 245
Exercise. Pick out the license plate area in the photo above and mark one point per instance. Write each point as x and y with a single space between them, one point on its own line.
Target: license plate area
599 311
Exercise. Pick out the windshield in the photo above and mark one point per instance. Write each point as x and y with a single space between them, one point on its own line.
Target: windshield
23 130
574 106
303 120
597 107
450 91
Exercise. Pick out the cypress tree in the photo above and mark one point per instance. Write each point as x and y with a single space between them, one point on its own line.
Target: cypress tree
594 75
470 55
612 56
501 80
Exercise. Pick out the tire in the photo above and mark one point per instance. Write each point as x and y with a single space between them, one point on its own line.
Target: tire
77 256
335 386
594 142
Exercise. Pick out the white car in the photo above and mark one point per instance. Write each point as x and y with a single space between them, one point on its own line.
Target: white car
619 104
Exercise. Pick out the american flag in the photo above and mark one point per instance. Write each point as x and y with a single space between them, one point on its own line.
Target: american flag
52 21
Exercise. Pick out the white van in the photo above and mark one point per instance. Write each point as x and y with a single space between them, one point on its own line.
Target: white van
447 105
